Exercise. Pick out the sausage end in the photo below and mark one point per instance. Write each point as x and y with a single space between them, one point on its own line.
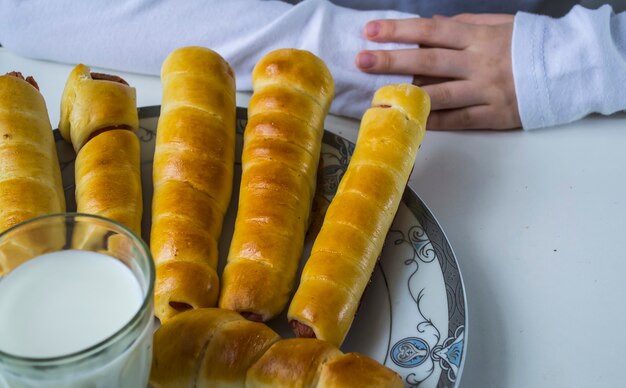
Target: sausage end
301 330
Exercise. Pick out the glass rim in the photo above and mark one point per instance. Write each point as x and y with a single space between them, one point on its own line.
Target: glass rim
85 353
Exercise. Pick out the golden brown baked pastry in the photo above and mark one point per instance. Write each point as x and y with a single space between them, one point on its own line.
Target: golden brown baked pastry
357 370
207 347
99 117
93 102
213 347
293 362
192 177
293 90
359 216
108 178
30 178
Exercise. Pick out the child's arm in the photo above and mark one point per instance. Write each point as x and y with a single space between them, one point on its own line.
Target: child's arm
498 72
567 68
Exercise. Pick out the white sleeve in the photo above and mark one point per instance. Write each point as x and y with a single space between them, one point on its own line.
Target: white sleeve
567 68
137 35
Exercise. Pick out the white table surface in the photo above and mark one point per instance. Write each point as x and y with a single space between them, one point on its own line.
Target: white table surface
537 221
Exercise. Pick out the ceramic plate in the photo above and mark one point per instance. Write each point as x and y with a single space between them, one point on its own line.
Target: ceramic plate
413 316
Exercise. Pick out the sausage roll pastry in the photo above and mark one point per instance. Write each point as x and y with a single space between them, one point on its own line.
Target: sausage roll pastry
293 90
94 103
357 370
207 347
30 177
192 177
293 362
309 362
213 347
359 216
99 118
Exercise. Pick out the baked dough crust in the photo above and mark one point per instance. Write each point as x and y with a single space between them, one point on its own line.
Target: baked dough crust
192 178
359 216
293 90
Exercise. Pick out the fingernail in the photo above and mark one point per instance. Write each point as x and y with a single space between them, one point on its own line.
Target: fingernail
366 60
372 29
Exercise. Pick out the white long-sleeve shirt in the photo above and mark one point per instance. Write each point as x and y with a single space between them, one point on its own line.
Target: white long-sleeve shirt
563 68
567 68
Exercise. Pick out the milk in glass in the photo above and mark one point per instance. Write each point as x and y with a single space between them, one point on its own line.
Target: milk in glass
69 301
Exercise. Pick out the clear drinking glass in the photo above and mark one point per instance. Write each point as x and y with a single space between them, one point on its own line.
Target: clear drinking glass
121 360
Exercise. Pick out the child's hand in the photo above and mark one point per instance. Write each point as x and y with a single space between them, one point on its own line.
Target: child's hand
464 64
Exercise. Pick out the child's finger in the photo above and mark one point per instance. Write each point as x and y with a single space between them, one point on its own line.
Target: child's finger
432 32
478 18
423 80
455 94
431 62
472 117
